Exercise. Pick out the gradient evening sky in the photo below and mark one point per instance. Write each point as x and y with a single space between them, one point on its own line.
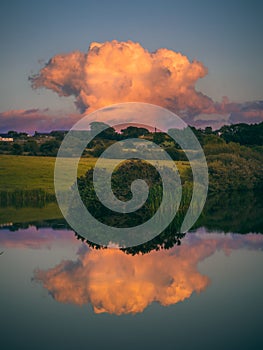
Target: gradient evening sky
226 36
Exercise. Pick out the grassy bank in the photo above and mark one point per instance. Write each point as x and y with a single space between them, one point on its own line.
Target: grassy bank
29 173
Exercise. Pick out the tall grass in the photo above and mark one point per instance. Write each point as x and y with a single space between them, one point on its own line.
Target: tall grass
25 198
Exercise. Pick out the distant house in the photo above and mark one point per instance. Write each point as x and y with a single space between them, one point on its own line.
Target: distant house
6 139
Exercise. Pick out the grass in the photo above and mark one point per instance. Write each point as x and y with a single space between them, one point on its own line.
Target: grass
28 173
31 173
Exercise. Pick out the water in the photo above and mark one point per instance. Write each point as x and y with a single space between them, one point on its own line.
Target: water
58 293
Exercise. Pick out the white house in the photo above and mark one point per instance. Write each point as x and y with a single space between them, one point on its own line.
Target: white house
6 139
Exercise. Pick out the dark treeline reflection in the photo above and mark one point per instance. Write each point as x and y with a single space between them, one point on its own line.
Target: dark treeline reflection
240 212
55 224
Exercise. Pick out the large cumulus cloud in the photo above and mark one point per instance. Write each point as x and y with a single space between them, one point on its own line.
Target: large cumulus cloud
114 72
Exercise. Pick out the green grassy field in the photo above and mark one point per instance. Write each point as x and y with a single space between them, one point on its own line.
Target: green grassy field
27 173
30 173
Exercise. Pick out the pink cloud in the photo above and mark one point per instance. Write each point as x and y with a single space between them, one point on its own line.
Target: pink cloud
114 72
35 119
35 239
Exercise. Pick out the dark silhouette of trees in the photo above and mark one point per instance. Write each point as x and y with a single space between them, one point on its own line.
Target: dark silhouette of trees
31 147
17 149
133 132
109 133
244 134
49 148
158 137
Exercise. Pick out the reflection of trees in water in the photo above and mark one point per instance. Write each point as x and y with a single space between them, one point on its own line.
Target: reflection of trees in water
162 241
238 212
55 224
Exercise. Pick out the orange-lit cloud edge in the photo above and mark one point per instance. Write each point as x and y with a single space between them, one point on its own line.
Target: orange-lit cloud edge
115 72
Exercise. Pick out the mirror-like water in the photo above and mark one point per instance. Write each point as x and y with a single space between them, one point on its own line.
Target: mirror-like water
59 293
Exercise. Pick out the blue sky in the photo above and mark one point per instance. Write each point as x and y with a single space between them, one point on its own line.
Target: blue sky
226 36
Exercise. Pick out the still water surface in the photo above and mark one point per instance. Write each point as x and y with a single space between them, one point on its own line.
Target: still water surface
58 293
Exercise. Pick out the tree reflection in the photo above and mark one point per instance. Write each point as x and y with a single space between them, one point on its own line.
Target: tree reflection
162 241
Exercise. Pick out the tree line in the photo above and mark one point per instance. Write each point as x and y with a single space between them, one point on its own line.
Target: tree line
47 144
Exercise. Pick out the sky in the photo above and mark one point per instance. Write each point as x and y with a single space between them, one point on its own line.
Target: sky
224 37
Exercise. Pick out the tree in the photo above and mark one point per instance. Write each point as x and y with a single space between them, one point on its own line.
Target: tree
17 149
49 148
176 154
103 131
31 147
208 130
243 133
13 134
5 147
158 137
98 150
59 135
134 132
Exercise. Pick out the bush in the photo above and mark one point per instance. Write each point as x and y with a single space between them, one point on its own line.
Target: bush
50 148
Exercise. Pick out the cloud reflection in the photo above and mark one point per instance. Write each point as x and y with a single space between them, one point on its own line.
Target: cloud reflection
117 283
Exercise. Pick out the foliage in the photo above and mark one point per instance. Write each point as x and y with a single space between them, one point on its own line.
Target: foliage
49 148
242 133
237 212
133 132
108 133
234 168
17 149
122 178
31 147
158 137
22 198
